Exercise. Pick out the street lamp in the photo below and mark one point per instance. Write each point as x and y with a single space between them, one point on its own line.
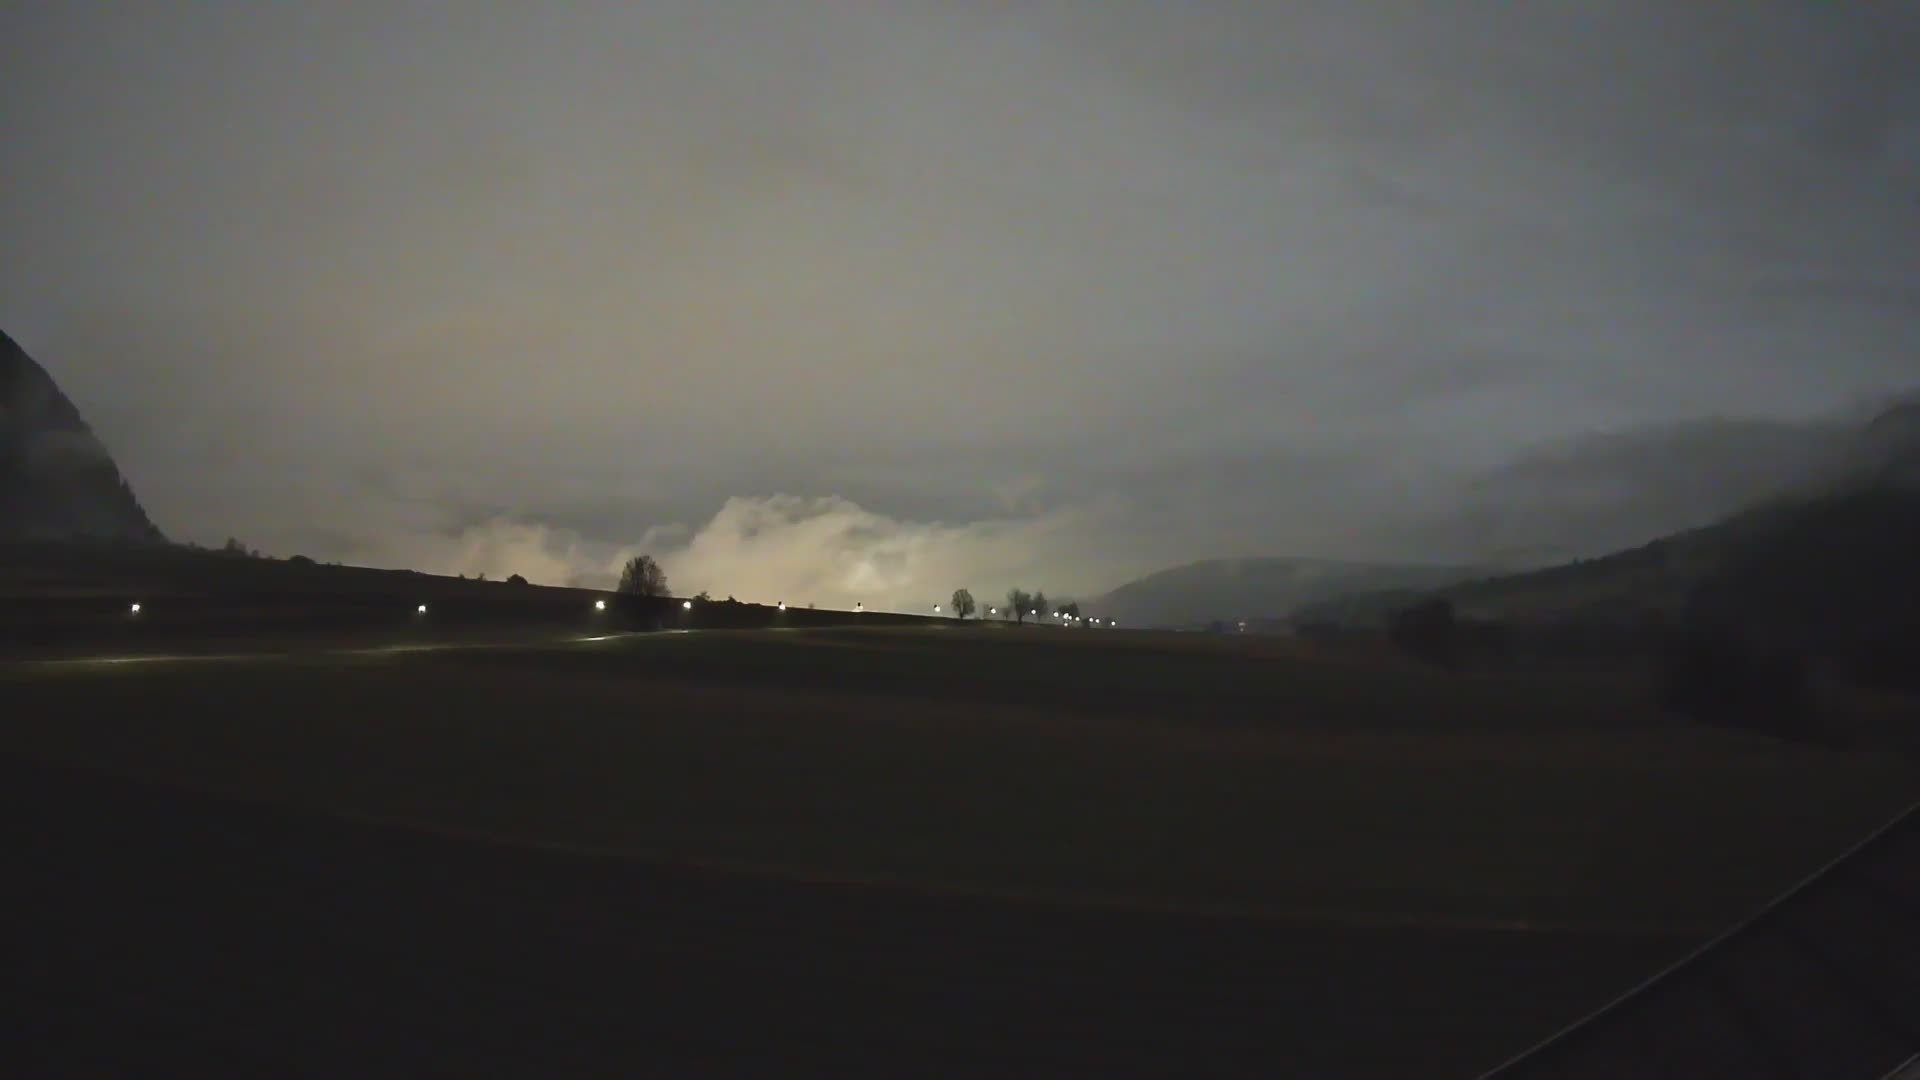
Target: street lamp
936 609
783 605
686 605
133 609
599 605
421 610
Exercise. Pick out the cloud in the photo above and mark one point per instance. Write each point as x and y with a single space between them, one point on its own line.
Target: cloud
491 287
825 550
833 552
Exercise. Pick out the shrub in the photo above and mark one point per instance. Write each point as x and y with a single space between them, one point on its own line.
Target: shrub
1427 632
1717 677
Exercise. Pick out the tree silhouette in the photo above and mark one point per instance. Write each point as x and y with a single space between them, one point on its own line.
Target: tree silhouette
643 577
963 605
1039 604
1017 601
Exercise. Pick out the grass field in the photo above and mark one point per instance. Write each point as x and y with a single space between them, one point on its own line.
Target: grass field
1232 774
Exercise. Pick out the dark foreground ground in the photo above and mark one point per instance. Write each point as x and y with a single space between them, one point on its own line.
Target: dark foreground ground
902 852
151 931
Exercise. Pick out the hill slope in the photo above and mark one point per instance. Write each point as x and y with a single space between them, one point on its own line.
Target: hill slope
57 481
1848 534
1233 589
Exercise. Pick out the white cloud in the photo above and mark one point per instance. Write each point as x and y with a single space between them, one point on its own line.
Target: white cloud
799 549
833 552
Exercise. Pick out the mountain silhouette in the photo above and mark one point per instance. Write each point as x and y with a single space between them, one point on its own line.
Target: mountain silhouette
1258 588
57 480
1826 573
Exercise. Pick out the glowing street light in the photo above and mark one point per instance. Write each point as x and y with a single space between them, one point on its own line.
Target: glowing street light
686 605
858 606
936 609
783 605
599 605
993 611
133 609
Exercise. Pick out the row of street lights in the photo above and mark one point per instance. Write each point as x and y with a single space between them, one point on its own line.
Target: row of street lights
134 609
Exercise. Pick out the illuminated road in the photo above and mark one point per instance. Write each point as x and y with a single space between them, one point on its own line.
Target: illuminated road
265 655
269 655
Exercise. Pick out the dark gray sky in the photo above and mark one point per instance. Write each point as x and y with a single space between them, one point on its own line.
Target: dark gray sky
825 301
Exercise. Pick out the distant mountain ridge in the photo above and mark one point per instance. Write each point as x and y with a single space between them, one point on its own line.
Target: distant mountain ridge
1257 588
1843 544
57 480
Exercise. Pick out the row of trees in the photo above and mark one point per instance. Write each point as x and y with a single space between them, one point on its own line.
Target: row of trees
642 576
1021 603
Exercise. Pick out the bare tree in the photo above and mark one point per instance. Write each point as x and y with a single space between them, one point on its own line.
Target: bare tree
1070 609
963 605
1017 601
1039 604
643 577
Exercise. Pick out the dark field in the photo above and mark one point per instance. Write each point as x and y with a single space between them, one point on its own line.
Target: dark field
940 850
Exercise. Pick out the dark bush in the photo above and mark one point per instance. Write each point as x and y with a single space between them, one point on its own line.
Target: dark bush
1887 657
1427 631
1319 631
1485 640
1715 676
516 579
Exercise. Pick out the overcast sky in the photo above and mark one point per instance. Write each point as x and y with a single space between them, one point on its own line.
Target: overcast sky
825 301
